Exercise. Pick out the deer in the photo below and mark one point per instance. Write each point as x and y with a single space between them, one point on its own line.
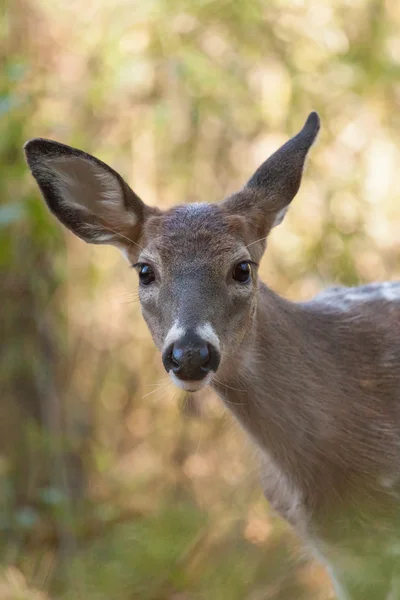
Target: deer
315 384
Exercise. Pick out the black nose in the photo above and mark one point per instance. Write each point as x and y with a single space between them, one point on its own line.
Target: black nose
191 358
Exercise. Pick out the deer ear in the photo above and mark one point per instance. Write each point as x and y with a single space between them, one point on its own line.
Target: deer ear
265 198
85 194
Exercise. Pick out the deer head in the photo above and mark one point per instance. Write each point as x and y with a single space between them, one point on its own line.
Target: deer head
197 263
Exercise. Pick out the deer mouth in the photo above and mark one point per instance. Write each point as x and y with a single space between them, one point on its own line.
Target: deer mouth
191 386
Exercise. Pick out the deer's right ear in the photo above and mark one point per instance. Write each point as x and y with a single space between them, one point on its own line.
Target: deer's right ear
85 194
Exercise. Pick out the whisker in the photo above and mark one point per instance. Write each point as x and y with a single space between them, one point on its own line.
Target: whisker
158 389
255 242
162 387
134 294
164 392
129 297
122 236
161 382
228 386
225 399
174 397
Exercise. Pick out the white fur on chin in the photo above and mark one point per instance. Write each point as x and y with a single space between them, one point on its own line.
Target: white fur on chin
191 386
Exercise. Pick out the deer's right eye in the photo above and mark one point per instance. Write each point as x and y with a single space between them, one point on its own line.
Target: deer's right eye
146 274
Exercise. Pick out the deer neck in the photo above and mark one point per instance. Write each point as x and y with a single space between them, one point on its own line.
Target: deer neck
273 387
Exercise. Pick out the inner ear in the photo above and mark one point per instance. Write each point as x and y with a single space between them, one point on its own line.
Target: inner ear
83 185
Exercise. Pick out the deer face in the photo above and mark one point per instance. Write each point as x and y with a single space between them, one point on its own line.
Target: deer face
197 264
198 282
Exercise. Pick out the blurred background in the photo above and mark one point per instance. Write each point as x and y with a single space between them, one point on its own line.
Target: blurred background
113 485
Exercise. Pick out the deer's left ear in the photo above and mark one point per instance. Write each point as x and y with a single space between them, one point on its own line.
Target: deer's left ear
86 195
265 198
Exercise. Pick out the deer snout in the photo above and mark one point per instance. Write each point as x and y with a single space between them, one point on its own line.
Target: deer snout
191 358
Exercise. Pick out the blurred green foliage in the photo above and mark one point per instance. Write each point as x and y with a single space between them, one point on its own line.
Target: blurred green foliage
112 485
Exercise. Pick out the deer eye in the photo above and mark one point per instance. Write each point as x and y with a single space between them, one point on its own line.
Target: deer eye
242 272
146 274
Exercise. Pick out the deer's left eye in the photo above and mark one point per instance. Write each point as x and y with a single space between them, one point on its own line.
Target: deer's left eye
242 272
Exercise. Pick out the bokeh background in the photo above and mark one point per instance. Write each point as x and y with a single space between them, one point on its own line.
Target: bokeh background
113 485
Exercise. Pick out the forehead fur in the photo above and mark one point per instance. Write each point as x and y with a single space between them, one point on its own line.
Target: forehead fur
197 230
